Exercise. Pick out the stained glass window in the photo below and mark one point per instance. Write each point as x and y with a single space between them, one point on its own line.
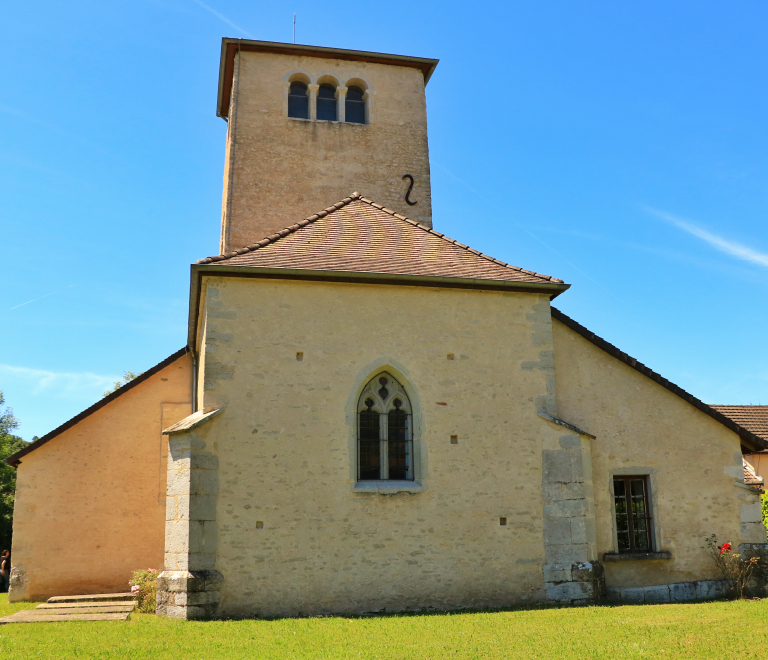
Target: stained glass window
385 441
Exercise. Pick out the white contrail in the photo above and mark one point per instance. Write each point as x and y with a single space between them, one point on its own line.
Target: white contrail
223 18
62 383
41 297
729 247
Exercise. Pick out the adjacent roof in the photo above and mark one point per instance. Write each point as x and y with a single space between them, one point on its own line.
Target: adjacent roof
192 421
754 418
357 235
750 476
231 46
748 436
15 459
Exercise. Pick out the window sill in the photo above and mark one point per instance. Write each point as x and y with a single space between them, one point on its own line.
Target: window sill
327 121
636 556
387 487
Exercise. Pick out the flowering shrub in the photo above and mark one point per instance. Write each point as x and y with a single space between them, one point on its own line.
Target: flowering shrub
734 569
144 587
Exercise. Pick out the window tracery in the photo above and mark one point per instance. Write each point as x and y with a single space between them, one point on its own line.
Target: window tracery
385 431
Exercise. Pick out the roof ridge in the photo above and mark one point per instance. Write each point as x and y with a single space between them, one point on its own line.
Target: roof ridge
356 196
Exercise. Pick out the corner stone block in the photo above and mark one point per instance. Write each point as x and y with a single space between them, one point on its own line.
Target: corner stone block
751 513
555 492
753 532
557 572
569 553
568 591
204 482
566 509
557 531
556 466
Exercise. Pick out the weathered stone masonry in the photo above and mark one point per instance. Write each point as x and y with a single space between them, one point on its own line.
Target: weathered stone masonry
572 573
189 586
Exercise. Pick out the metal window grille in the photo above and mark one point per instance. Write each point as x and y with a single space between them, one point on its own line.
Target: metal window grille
633 515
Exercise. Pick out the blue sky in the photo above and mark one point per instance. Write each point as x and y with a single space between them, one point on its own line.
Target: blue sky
619 146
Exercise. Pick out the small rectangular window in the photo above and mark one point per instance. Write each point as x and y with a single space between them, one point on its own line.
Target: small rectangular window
633 515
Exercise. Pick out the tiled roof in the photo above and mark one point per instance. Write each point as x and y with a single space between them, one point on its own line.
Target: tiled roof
753 418
360 236
750 476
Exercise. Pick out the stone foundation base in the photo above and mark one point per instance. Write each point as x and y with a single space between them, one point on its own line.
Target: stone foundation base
188 594
575 584
670 593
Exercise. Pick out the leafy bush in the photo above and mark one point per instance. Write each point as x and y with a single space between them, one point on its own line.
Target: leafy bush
764 505
144 587
734 570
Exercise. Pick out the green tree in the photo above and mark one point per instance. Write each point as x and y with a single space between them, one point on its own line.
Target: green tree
128 376
9 444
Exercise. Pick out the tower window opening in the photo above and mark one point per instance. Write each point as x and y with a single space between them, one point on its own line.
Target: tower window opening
326 103
298 100
354 108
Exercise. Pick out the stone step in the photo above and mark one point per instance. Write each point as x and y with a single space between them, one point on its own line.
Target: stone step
91 597
24 616
49 610
89 605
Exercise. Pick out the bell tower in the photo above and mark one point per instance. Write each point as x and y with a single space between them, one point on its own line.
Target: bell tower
307 126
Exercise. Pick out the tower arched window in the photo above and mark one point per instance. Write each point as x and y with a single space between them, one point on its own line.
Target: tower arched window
354 107
385 432
298 100
326 102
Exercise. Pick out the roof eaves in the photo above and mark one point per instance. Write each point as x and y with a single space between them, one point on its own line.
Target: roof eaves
612 350
355 196
15 459
230 46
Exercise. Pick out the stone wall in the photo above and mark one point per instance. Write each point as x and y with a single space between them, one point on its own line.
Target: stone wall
188 587
294 535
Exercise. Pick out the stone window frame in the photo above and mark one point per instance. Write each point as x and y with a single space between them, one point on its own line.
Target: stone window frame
652 497
313 83
419 459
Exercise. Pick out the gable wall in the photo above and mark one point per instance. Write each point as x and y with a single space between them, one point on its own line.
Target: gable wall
642 427
90 503
285 446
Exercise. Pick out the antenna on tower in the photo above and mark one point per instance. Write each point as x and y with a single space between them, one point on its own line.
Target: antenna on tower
294 27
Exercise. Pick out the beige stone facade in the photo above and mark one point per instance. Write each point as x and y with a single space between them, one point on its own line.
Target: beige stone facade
90 498
279 170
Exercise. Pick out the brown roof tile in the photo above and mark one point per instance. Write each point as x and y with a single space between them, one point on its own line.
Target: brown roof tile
357 235
753 418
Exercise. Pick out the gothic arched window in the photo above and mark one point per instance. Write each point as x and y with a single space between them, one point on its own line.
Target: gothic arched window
298 100
385 432
326 102
354 107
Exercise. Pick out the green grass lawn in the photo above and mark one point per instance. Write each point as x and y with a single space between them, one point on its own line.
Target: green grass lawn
702 630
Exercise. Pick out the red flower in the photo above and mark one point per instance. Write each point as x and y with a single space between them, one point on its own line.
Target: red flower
726 547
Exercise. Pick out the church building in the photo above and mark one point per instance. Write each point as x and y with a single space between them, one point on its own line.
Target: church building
368 415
